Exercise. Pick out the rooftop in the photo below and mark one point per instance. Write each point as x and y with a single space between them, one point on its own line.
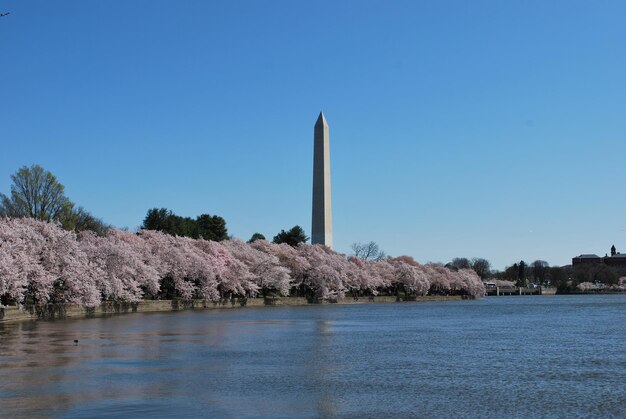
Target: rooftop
619 255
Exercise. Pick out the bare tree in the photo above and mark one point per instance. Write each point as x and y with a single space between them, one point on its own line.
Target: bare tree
459 263
540 270
367 251
482 267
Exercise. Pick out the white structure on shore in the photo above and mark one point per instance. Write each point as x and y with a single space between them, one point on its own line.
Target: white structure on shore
322 228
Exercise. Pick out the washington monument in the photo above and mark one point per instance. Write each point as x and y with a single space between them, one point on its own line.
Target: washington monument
322 229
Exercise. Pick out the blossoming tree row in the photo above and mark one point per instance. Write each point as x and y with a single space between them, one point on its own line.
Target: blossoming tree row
42 263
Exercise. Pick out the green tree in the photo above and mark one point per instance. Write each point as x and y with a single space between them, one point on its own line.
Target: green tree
36 193
184 226
255 237
158 219
521 274
292 237
208 227
80 220
212 227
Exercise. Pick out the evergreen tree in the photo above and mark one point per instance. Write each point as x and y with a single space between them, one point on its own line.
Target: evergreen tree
205 226
293 237
255 237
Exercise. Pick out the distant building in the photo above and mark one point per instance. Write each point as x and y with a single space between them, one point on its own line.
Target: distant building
616 260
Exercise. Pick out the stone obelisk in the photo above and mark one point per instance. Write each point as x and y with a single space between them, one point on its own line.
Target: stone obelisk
322 229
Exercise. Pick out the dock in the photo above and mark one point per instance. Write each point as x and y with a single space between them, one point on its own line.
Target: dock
498 291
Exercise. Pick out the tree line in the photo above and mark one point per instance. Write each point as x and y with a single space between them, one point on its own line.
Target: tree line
42 263
565 279
36 193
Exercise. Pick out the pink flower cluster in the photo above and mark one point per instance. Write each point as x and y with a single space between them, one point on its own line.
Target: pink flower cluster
42 263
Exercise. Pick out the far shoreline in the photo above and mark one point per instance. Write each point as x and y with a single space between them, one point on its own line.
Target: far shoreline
11 314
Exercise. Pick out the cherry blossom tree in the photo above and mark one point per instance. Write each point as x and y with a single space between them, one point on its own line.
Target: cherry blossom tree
120 269
192 272
41 263
504 283
471 283
265 268
14 264
358 277
49 258
411 277
588 286
233 276
439 278
288 256
24 278
621 284
63 259
327 273
382 275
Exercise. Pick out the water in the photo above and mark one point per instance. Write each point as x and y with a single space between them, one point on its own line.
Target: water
559 356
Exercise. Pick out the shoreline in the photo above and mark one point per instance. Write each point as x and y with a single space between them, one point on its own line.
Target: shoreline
12 314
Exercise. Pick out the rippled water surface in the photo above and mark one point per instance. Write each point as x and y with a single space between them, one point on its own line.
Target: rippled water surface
549 356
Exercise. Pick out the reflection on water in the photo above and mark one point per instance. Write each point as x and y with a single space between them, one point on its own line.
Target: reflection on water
517 356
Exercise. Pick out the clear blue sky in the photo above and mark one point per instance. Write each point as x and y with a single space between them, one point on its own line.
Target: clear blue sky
491 129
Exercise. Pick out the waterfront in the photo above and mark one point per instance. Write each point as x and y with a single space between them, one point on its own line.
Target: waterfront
551 356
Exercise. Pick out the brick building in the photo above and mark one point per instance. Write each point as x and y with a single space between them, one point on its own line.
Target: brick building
616 260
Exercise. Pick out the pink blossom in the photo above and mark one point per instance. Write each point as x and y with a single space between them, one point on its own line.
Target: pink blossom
41 263
49 258
120 269
265 268
411 277
327 273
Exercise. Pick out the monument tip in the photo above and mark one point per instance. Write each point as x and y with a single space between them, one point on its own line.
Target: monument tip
321 119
